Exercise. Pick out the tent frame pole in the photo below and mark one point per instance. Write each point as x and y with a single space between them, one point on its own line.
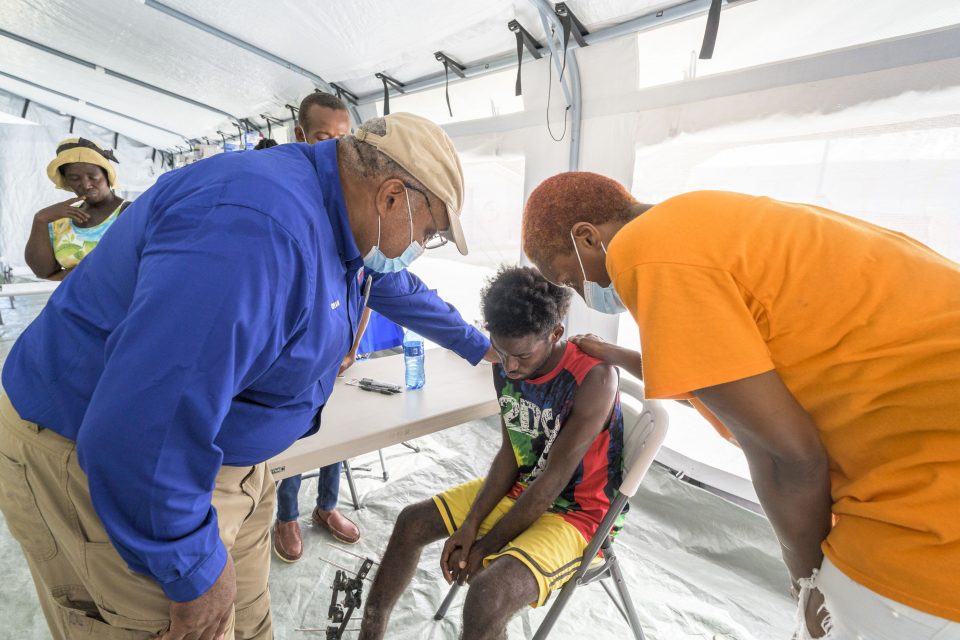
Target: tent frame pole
570 81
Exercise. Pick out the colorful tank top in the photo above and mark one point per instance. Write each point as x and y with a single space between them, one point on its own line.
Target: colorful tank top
534 412
71 243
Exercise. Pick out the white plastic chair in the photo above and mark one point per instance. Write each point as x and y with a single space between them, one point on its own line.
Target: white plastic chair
644 430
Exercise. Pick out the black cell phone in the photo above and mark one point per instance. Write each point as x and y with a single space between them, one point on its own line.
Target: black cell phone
374 385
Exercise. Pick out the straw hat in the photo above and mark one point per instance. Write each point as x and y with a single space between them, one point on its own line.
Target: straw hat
81 150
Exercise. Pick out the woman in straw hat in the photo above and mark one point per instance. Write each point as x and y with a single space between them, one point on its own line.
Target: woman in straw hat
65 232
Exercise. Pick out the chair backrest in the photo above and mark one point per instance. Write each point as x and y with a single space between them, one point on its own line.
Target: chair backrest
644 429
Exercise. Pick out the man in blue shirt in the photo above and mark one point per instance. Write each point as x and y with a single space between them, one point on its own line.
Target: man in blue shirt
199 339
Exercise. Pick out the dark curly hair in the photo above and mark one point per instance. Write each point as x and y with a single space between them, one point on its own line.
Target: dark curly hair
565 199
519 302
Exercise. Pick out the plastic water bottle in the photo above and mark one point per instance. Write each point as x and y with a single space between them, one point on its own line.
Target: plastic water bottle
413 359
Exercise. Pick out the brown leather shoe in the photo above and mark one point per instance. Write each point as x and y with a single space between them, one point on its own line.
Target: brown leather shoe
340 526
287 542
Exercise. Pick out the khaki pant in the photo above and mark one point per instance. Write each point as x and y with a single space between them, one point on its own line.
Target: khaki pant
85 587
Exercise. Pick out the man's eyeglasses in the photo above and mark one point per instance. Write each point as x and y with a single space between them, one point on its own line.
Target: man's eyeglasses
436 240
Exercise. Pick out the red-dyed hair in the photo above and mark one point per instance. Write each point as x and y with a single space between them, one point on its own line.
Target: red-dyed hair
565 199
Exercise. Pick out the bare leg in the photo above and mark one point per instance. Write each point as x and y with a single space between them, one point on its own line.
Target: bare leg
495 596
416 527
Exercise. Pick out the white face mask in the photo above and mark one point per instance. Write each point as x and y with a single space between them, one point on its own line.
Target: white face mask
378 261
602 299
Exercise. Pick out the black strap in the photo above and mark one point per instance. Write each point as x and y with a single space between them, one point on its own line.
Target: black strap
123 206
343 94
449 64
571 25
710 35
524 39
387 83
446 86
386 97
518 89
293 112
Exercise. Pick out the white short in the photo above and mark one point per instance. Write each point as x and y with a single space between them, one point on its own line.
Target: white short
857 613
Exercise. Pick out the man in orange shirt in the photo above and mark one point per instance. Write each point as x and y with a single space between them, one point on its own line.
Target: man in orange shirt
827 347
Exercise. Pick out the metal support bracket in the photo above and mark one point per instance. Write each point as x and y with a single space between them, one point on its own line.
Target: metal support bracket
571 25
343 94
270 122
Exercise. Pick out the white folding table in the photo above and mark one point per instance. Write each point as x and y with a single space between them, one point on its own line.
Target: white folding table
357 421
14 289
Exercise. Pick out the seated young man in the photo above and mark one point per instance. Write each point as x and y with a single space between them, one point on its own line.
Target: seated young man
518 534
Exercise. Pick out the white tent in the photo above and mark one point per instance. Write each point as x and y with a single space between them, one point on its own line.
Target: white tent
854 105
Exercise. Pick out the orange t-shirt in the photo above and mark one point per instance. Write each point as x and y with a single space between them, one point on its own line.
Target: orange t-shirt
863 325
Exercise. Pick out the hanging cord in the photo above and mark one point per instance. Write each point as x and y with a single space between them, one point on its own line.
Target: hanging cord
563 134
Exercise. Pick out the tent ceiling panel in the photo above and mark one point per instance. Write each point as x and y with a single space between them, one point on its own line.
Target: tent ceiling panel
148 135
92 86
342 42
132 39
348 43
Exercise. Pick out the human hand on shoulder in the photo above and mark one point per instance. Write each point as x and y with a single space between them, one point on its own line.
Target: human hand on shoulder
597 347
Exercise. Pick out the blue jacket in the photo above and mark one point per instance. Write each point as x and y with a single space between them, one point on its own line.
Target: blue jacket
206 329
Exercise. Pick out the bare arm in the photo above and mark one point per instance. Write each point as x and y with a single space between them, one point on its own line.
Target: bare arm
38 253
499 481
787 461
364 321
351 357
591 410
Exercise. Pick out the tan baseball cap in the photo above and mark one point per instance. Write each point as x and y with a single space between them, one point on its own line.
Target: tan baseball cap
427 153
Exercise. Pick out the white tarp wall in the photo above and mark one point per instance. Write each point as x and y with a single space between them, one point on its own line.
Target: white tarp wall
27 145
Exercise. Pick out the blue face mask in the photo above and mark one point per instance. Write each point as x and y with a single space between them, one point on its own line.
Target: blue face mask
602 299
376 260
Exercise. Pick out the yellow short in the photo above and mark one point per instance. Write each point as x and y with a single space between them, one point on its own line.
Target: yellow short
551 547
